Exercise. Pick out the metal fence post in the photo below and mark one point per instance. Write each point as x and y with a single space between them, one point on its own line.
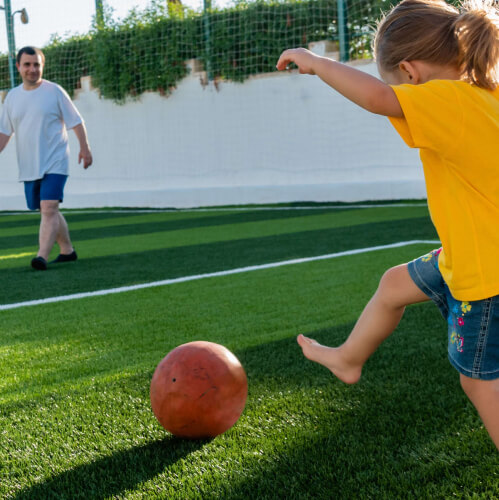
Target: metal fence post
9 24
99 14
207 36
343 30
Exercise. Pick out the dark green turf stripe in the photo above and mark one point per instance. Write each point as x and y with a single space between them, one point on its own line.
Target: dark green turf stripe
33 219
195 217
22 284
157 226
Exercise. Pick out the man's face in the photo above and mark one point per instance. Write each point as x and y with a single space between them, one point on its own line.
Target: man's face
30 68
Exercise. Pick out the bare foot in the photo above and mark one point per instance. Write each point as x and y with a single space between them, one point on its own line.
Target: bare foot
331 358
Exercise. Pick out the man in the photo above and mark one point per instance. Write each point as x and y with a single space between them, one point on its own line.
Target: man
39 113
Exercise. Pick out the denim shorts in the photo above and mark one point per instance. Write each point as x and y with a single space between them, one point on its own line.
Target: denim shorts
473 326
50 187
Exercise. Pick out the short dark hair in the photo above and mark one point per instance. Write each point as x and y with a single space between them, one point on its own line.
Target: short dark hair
32 51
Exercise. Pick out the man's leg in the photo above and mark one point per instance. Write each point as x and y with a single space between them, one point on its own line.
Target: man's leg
62 238
53 228
50 226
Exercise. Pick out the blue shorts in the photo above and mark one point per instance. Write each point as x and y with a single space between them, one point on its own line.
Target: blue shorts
50 187
473 327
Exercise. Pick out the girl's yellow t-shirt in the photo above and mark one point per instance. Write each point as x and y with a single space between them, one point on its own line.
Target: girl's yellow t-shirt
455 125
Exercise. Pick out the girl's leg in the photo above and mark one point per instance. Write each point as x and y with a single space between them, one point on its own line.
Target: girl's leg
378 320
484 394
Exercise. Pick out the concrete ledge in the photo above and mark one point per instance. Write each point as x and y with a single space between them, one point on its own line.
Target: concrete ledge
241 195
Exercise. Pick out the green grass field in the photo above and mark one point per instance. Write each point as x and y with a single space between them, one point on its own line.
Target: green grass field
75 417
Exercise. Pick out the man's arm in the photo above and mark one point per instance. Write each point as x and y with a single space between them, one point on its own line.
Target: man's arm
364 90
85 153
4 139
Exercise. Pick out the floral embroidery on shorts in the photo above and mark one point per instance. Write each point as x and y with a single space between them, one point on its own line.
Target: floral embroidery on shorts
457 320
465 307
429 256
456 339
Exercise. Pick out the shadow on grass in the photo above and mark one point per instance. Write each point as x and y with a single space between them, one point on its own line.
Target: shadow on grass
402 432
98 273
156 226
108 476
393 435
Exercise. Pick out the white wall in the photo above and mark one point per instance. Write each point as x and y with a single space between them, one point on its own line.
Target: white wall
275 138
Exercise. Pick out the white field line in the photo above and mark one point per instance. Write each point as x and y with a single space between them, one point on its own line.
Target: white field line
224 209
194 277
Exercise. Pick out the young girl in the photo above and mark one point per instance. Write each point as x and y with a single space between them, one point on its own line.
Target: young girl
441 94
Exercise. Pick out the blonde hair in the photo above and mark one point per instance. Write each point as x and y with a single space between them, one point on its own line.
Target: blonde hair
436 32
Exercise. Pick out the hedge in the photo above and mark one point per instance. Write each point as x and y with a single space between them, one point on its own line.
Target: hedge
141 55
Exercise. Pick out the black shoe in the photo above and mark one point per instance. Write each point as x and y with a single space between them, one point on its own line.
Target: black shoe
39 263
65 257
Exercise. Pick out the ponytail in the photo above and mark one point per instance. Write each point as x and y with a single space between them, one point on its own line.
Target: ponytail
477 32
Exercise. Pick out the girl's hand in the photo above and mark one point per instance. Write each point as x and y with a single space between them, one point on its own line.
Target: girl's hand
303 58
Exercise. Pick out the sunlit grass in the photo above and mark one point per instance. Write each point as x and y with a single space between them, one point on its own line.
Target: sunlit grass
75 416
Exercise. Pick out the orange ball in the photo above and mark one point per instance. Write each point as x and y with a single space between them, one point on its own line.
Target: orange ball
198 390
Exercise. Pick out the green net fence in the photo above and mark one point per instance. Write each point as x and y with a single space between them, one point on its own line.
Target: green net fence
147 49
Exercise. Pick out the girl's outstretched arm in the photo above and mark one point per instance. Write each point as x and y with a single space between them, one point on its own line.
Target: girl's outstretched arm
365 90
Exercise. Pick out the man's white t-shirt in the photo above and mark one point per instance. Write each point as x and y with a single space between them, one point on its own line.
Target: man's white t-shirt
39 119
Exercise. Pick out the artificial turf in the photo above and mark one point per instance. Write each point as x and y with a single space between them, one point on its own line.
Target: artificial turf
75 416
